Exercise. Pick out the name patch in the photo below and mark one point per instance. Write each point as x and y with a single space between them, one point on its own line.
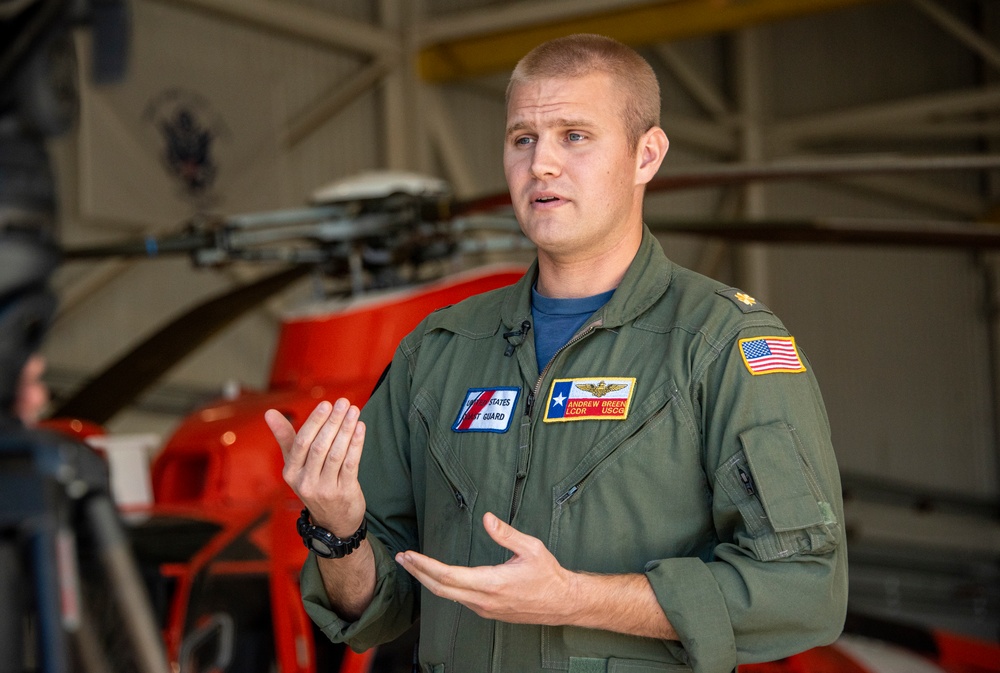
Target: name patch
487 410
598 398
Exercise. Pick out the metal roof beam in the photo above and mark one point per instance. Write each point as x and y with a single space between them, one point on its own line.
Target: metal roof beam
481 54
512 16
334 100
301 22
700 89
719 138
453 152
911 190
986 50
951 105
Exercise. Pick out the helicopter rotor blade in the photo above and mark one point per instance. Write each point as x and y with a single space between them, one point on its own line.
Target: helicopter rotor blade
718 175
118 385
811 168
852 231
150 246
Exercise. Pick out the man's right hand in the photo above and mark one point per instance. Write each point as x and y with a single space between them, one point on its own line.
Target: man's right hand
321 463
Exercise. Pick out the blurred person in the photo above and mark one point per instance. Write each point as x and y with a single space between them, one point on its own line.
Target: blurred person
27 259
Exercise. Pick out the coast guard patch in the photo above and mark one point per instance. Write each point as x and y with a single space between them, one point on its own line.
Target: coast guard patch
771 355
487 410
599 398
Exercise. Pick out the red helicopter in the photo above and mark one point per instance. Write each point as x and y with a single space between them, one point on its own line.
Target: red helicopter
218 543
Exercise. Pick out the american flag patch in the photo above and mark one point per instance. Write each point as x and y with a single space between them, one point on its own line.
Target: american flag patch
771 355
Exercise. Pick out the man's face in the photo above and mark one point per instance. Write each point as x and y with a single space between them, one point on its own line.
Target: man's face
571 173
32 393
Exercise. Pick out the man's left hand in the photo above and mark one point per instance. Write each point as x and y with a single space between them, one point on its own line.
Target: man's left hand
530 588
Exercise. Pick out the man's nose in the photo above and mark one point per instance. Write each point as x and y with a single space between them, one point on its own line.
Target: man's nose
546 160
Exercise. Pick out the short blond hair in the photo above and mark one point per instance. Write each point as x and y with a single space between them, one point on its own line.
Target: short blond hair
582 54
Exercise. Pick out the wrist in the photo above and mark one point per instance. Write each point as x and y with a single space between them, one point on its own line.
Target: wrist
576 589
338 522
324 543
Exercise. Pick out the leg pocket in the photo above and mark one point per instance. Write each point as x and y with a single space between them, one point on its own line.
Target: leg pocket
617 665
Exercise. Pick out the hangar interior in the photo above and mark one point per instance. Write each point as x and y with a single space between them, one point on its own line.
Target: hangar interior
903 334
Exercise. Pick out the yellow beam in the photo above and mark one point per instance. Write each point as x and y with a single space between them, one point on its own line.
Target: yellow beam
661 22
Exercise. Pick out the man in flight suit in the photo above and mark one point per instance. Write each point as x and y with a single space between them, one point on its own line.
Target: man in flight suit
615 464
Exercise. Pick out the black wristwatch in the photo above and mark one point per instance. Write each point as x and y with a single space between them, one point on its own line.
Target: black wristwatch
326 544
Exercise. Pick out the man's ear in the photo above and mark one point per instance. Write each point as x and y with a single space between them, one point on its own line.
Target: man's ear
653 146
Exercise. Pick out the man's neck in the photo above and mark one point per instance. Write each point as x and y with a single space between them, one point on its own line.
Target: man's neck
586 276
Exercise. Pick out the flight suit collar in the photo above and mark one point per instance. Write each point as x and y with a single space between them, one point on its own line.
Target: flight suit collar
643 284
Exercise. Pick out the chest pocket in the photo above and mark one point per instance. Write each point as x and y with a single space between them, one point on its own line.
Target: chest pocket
617 487
638 494
450 493
614 444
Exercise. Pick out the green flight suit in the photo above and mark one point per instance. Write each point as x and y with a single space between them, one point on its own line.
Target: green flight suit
715 479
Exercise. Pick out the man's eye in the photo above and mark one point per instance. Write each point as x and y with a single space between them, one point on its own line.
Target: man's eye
574 137
523 140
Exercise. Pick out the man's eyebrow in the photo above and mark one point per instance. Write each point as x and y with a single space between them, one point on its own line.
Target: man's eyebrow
518 126
555 123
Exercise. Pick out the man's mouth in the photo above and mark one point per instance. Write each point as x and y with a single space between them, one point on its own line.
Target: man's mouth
544 199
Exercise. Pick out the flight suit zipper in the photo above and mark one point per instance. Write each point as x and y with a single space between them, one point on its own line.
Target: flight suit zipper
524 443
523 454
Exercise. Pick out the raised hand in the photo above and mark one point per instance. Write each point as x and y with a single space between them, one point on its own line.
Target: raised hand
321 463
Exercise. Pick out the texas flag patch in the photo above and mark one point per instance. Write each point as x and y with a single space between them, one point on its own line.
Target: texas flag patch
599 398
487 410
771 355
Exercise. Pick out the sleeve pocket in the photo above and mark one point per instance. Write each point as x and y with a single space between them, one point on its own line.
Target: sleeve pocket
780 478
780 502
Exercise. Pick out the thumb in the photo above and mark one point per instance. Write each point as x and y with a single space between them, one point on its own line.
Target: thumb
504 534
281 428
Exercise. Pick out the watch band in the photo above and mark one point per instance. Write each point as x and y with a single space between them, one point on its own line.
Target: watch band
324 543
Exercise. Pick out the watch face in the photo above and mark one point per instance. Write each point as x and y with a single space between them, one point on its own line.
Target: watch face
320 547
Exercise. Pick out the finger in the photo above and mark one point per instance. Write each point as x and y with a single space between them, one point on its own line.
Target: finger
336 436
299 450
281 428
426 571
440 579
317 441
352 459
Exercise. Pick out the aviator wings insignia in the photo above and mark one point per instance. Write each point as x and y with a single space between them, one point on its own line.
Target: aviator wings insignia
601 389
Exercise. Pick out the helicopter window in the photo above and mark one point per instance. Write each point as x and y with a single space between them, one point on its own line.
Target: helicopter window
183 478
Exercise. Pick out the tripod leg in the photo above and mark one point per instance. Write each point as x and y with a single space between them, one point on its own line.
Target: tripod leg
12 615
126 584
89 648
50 594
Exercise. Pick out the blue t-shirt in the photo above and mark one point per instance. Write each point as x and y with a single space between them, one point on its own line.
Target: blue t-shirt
557 320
